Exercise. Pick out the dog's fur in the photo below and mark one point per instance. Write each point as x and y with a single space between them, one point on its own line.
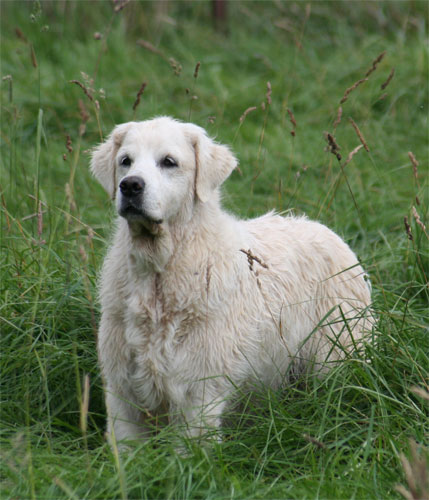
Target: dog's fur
196 303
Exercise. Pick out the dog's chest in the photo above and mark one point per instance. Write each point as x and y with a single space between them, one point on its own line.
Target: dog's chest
157 335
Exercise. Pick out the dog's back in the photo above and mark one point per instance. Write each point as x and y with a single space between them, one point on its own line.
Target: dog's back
322 293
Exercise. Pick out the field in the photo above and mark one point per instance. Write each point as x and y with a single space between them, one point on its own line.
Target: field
269 83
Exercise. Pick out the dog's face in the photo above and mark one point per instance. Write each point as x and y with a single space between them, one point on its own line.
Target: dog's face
157 169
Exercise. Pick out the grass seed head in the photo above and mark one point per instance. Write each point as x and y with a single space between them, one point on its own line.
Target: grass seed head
253 258
314 441
389 78
419 222
332 145
85 89
414 163
83 253
139 94
268 94
84 115
119 5
69 146
338 118
151 48
375 63
416 474
175 65
197 69
351 154
350 89
20 35
408 229
33 57
359 134
293 121
248 110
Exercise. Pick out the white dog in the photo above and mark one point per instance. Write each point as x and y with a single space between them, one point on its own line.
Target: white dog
196 303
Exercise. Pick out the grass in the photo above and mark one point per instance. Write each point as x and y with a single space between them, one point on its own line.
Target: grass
347 436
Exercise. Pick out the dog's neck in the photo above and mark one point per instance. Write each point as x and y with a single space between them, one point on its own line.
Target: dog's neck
174 240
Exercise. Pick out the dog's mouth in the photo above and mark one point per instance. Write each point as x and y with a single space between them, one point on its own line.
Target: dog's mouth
139 220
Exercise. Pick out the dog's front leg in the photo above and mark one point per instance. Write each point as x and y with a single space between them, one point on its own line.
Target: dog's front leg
201 415
124 421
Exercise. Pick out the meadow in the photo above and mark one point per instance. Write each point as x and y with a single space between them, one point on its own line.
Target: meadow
326 106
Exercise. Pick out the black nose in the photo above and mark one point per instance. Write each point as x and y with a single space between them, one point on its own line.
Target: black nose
131 186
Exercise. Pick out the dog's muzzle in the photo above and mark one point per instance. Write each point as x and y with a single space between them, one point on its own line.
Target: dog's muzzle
131 189
131 202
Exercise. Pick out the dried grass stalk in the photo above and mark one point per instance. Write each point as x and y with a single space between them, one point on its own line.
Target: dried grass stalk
415 164
339 115
69 146
83 254
20 35
248 110
119 5
408 229
39 220
313 440
175 65
84 405
33 57
333 146
375 63
389 78
268 94
350 89
151 48
208 277
84 88
419 222
197 69
292 117
139 94
84 115
420 392
253 258
293 121
70 197
359 134
416 475
351 154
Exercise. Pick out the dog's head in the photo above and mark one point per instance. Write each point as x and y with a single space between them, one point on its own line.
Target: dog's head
157 169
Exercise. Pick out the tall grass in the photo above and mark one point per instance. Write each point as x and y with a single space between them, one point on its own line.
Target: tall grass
359 433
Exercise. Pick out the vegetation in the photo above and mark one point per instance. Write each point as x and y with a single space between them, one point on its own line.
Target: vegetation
269 83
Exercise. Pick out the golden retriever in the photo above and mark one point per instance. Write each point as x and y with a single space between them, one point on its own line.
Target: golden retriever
197 303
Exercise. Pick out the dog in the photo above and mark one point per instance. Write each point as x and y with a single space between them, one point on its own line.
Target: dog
195 303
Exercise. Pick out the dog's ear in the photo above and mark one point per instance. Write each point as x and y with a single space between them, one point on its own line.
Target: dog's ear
103 159
213 163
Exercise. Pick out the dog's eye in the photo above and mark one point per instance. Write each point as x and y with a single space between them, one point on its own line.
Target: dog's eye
125 161
169 162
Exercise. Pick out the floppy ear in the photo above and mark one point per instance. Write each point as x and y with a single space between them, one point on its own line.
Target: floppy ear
213 163
103 159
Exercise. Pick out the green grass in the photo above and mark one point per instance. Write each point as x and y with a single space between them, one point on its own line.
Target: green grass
340 437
